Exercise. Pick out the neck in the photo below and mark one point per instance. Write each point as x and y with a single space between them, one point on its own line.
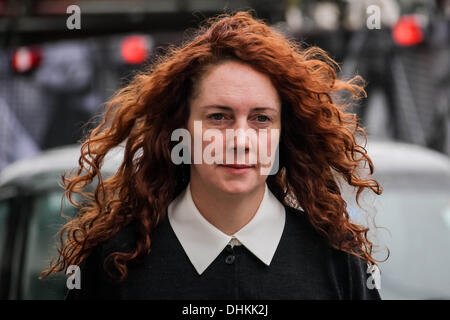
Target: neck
227 212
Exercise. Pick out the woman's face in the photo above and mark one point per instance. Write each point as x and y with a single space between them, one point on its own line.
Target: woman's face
235 98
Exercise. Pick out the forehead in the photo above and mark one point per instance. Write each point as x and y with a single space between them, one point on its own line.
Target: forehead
236 85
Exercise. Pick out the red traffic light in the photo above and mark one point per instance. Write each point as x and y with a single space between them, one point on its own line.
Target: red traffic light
135 49
407 31
26 59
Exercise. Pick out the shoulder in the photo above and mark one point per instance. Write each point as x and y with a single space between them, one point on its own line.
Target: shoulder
298 227
302 240
123 241
349 272
94 282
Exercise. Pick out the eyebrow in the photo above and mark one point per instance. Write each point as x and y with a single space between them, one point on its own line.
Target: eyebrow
227 108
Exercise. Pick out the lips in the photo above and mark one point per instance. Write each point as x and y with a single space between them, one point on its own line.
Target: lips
237 166
237 169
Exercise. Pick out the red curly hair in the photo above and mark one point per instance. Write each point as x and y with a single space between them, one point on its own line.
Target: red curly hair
317 144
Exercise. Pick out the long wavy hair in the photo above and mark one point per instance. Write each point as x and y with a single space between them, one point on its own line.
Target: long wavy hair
318 142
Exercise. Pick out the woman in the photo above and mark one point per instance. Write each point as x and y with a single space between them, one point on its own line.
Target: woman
223 228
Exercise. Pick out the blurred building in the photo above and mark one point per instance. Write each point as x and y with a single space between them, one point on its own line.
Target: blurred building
54 80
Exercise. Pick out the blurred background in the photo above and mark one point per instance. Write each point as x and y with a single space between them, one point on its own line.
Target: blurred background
56 72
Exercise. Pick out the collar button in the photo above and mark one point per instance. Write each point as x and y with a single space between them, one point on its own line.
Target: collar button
229 248
230 259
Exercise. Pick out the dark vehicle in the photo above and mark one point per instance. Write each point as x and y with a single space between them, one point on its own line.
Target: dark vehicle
30 204
414 207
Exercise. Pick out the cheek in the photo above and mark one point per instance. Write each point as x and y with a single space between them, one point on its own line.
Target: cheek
204 170
190 126
267 143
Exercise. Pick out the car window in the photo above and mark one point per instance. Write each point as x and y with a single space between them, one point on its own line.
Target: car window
41 246
4 210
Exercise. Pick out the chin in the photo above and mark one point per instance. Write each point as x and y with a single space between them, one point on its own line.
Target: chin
236 187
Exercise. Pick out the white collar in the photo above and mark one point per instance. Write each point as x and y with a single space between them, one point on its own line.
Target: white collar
203 242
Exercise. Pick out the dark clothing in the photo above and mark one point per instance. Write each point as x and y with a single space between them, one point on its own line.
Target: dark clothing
304 266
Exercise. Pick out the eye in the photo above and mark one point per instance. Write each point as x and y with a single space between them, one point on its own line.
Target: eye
216 116
262 118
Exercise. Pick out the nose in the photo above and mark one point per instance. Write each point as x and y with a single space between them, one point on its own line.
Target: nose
240 139
241 142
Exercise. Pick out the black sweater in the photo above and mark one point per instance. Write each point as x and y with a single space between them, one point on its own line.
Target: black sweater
304 266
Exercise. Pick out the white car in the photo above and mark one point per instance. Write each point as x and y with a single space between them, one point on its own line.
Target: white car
413 214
